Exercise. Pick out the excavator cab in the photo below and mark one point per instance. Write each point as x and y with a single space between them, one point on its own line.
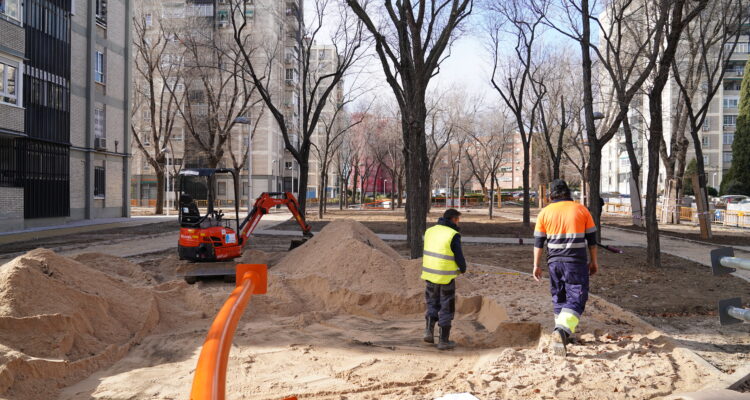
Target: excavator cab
209 236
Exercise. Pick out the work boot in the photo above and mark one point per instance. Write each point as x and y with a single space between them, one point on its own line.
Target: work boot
559 342
429 330
445 343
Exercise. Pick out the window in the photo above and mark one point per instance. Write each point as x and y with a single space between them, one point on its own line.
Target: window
99 67
705 141
222 189
730 120
732 85
728 138
9 82
101 11
148 19
100 123
706 124
731 102
147 115
11 8
146 137
99 181
727 157
178 135
705 160
321 54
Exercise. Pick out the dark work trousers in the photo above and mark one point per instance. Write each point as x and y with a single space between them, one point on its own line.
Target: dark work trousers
569 285
441 302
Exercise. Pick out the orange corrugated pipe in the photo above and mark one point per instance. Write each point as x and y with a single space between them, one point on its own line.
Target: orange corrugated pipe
211 372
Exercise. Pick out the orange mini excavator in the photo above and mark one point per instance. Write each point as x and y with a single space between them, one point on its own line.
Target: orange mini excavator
211 237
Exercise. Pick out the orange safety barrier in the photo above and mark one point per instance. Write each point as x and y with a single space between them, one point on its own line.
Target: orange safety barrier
211 372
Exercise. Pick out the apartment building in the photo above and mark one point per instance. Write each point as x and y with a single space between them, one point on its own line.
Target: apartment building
63 99
717 133
271 168
323 59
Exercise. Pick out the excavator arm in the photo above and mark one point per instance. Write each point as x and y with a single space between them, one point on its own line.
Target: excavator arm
263 205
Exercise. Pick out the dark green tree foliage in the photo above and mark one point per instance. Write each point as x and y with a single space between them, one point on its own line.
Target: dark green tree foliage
737 179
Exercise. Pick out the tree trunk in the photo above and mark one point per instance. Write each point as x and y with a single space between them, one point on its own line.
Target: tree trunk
594 190
355 182
320 197
160 191
492 194
418 180
304 169
635 172
526 185
701 166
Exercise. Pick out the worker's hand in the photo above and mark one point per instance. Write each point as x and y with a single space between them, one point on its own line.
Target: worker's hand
537 273
593 268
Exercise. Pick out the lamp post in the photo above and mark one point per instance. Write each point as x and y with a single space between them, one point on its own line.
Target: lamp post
165 150
460 186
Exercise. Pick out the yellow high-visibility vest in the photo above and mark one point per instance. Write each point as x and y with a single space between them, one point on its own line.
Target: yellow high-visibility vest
438 262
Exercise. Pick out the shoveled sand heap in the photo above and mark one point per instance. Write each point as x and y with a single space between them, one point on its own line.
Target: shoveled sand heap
342 319
61 320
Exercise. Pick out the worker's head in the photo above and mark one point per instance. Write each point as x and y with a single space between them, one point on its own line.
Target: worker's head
452 215
559 190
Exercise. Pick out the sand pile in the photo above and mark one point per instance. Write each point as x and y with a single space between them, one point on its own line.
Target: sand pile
60 320
346 268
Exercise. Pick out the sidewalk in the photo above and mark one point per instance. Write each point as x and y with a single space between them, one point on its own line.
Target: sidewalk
86 225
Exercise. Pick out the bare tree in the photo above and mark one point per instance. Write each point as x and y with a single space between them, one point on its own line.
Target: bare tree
319 80
682 12
487 148
556 87
512 79
217 89
328 142
156 98
411 44
700 66
629 35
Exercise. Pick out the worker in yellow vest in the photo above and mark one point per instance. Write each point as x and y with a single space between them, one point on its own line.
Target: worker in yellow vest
442 261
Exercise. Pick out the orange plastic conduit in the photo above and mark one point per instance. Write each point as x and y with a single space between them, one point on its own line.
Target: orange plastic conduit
210 375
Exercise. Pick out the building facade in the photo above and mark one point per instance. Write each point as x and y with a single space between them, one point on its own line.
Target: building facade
256 146
716 135
63 99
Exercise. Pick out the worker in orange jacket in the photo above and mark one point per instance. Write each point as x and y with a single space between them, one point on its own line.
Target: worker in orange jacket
569 231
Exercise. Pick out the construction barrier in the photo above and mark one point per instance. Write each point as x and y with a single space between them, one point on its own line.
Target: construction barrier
723 262
209 382
729 218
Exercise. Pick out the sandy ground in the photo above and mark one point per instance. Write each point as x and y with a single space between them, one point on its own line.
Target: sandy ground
342 320
347 323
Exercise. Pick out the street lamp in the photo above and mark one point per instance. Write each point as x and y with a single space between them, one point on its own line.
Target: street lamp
460 186
165 150
246 121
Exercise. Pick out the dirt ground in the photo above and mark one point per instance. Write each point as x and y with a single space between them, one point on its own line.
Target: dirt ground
680 298
316 337
88 239
347 325
472 224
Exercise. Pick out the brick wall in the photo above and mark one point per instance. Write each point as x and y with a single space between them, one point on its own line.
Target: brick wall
12 36
11 118
11 208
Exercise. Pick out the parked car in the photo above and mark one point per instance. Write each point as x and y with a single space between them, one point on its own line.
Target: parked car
730 199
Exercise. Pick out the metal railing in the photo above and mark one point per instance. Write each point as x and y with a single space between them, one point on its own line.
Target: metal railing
209 382
723 262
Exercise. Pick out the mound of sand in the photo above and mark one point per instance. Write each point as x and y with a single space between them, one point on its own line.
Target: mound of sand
116 267
60 320
346 268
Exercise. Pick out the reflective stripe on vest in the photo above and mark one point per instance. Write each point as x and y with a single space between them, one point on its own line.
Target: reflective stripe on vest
438 263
